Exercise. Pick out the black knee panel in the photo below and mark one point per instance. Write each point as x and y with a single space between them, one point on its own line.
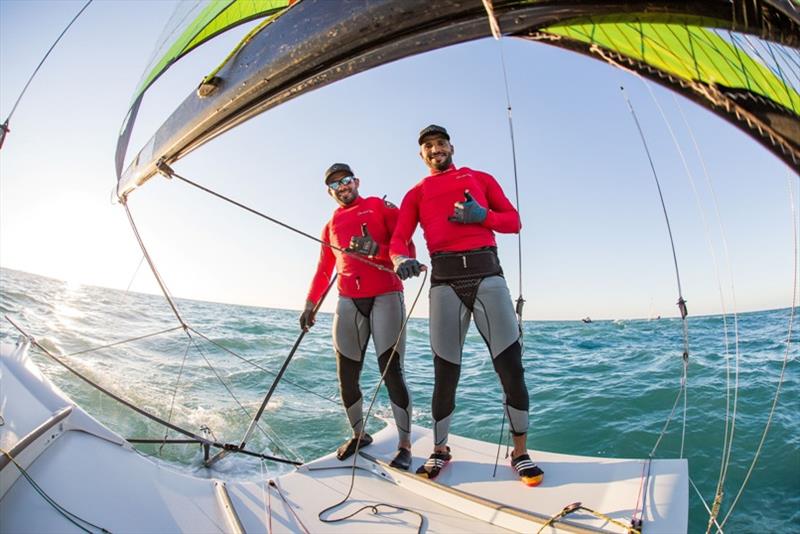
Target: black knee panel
508 366
395 383
349 374
444 388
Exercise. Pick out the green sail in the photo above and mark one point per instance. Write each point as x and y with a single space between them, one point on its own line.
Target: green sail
692 53
204 22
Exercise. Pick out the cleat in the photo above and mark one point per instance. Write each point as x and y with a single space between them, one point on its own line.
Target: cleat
434 464
528 472
348 448
401 460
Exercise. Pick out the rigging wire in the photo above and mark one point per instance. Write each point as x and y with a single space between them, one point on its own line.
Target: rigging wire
169 173
681 307
132 406
393 354
4 128
278 377
174 394
786 354
274 438
520 303
262 368
730 418
152 265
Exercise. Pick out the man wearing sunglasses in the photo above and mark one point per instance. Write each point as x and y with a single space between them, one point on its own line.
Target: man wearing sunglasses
370 303
460 209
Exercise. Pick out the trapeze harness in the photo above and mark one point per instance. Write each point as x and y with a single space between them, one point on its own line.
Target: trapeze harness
370 303
467 281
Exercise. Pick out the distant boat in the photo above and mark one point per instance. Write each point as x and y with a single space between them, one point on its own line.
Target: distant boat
587 319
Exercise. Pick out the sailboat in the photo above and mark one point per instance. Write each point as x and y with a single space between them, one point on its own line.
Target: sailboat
92 475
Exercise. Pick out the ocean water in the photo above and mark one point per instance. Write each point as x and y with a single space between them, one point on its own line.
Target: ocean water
603 389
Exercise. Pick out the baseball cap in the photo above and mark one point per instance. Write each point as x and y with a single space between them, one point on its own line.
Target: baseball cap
338 167
433 129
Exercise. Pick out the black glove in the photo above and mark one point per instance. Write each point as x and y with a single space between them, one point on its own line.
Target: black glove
407 267
468 212
363 244
307 318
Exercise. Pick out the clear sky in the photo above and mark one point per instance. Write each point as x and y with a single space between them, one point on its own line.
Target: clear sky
594 237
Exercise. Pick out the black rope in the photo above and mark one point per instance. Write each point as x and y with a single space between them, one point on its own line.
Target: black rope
4 128
69 516
132 406
353 467
167 171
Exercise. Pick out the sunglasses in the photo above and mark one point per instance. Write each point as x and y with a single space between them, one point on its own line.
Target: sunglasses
338 183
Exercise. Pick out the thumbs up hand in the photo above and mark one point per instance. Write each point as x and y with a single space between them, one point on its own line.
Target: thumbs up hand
468 211
363 244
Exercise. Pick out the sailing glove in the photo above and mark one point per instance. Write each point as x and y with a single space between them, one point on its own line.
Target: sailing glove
468 212
307 318
363 244
406 267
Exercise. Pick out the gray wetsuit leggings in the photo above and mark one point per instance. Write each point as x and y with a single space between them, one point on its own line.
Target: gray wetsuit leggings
354 322
497 323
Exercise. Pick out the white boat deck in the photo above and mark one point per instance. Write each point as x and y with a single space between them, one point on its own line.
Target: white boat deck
96 475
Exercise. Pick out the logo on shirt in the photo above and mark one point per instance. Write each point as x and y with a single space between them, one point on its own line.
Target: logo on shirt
364 212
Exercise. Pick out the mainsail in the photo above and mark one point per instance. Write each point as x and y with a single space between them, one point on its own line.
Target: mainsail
708 51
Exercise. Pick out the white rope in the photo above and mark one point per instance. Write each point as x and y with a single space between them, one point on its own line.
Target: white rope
703 502
785 356
730 419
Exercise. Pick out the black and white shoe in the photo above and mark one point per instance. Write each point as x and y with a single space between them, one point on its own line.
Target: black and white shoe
434 464
528 472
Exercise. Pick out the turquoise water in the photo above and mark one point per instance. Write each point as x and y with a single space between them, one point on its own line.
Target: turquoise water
603 389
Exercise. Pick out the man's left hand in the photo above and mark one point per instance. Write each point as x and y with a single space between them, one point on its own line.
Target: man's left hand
468 212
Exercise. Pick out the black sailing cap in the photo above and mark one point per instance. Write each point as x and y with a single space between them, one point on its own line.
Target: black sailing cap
338 167
433 129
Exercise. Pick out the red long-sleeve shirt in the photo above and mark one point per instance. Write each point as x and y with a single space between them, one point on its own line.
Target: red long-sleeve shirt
431 202
357 278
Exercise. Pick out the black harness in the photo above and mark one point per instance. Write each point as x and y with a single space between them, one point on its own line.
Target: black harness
464 271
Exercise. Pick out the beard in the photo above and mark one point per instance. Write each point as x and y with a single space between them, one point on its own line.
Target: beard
442 165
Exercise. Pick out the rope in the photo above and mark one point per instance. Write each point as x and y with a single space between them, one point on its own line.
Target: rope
730 420
496 33
374 508
169 173
4 128
69 516
712 518
574 507
783 366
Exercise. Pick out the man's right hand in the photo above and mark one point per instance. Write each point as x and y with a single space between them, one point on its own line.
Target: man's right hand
307 318
407 267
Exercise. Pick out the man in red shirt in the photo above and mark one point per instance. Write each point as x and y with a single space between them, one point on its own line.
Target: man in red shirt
460 209
370 303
